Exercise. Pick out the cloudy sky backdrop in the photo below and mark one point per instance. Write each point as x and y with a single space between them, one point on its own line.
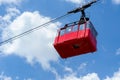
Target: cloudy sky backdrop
33 57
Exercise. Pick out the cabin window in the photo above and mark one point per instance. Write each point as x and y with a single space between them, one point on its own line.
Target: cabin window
62 32
94 32
75 28
82 26
68 29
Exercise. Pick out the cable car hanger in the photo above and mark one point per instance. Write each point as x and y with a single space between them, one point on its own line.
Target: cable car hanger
83 17
80 9
78 37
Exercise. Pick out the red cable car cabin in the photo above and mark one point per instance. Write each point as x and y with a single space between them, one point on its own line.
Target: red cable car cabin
76 39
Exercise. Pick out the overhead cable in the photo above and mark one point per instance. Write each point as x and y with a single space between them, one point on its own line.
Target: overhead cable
45 24
30 30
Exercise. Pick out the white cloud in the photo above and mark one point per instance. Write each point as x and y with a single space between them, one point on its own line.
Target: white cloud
35 47
92 76
74 74
71 76
12 12
82 66
116 1
10 2
116 76
118 52
89 76
78 2
68 69
4 77
28 79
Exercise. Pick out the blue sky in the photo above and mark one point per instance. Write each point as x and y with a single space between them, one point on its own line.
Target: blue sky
33 57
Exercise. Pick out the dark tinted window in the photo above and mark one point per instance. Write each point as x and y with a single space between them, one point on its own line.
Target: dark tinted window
94 32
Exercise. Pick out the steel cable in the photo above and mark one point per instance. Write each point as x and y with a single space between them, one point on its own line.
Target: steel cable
30 30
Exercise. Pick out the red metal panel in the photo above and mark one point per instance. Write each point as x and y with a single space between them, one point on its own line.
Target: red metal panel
75 43
67 37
